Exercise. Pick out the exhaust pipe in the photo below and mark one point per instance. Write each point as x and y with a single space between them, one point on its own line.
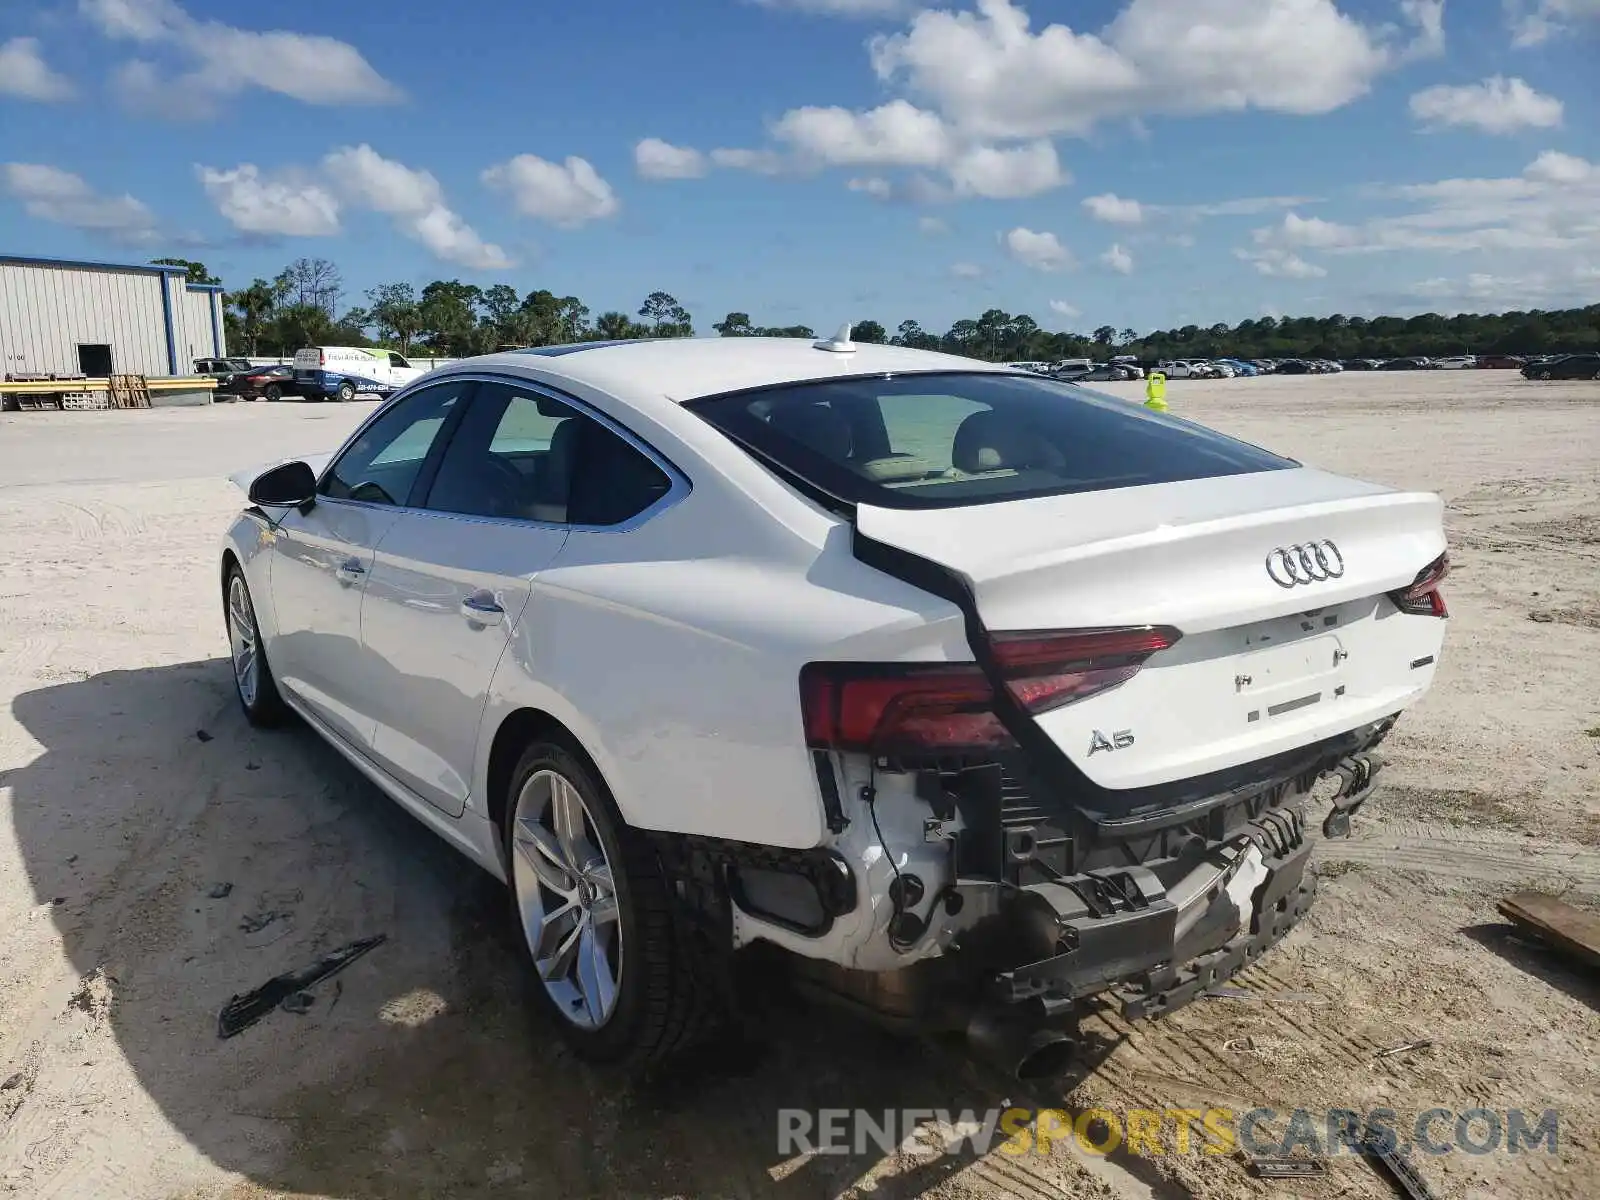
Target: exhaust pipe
1025 1050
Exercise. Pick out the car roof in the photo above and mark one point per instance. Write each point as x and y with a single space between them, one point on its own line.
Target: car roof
689 368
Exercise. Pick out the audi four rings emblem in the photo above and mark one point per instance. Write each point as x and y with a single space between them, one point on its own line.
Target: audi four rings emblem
1310 562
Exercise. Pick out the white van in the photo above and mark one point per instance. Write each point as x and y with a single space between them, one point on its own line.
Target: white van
341 372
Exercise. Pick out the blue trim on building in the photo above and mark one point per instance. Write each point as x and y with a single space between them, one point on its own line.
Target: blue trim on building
204 287
166 317
216 329
28 260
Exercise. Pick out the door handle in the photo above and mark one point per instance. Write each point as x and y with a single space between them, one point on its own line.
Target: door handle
481 608
351 571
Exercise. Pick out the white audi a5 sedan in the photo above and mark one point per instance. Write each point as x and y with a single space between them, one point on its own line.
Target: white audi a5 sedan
975 692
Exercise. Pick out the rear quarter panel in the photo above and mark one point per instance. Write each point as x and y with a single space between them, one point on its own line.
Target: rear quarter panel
673 653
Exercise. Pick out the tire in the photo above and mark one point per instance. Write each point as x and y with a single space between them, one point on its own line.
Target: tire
273 392
346 392
1545 376
253 684
661 995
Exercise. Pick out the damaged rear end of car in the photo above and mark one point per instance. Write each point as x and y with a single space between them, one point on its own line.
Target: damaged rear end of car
1182 654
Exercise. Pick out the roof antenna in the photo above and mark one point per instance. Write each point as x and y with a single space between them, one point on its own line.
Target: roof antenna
839 343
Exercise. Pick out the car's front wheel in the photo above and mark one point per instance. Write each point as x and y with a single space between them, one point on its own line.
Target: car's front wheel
273 392
613 963
252 677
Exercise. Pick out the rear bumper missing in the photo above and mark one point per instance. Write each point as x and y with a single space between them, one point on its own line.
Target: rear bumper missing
1156 946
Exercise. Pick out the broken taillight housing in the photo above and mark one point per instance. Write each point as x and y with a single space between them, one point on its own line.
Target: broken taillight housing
880 707
1423 598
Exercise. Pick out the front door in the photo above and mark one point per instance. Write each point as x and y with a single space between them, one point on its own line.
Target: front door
451 581
323 557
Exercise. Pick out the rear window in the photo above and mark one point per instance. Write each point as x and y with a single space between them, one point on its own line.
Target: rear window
950 439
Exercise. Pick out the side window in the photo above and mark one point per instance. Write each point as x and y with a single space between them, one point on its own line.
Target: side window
383 463
525 456
396 361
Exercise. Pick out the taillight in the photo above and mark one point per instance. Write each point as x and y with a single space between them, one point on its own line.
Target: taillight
891 706
1045 669
881 707
1423 598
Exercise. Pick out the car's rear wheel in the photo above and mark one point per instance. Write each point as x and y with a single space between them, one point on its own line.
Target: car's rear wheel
273 392
252 677
613 963
347 392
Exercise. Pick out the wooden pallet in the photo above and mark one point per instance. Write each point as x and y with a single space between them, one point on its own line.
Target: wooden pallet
129 391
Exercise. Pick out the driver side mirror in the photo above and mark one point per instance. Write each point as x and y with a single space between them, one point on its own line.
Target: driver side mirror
288 486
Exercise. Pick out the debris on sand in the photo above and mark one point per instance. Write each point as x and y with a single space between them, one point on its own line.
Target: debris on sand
245 1009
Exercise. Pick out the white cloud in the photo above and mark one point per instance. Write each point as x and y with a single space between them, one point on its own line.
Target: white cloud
873 185
452 240
656 159
1041 251
24 73
1244 206
1554 167
893 134
1281 264
218 60
989 75
1114 209
932 226
1008 174
1482 291
565 194
1117 258
1552 206
966 270
1065 309
382 184
1535 21
1428 17
760 162
415 200
51 194
290 205
1310 231
1497 105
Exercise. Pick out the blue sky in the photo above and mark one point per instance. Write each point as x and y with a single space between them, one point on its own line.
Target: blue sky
1141 163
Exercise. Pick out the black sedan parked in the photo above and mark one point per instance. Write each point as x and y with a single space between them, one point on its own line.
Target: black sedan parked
1564 366
261 383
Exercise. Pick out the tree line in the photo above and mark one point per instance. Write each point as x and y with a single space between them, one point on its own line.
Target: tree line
303 306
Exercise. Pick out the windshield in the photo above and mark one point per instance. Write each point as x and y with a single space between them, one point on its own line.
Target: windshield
948 439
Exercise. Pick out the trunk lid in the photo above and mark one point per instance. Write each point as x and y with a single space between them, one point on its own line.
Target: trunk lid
1261 667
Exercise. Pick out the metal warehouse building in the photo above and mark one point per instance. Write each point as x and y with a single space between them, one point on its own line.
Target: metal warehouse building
61 317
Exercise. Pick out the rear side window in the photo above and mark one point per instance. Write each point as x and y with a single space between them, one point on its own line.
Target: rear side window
523 455
950 439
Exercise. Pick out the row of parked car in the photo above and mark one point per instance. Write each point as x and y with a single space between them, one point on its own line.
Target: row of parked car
318 373
1124 367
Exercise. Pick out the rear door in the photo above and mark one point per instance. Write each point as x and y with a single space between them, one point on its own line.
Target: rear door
323 558
452 578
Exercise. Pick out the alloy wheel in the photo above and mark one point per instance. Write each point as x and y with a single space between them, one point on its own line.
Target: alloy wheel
242 641
567 899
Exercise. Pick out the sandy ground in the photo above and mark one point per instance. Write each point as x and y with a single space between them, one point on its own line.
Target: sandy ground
130 787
